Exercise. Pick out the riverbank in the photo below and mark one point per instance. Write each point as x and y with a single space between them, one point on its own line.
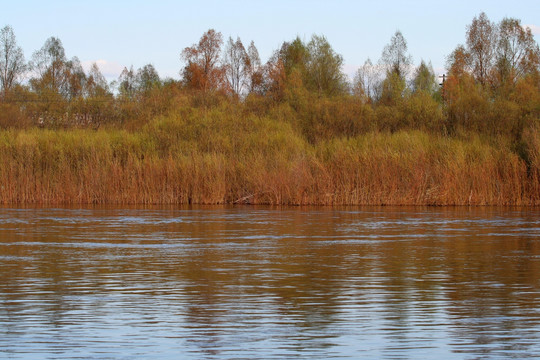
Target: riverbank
261 160
294 130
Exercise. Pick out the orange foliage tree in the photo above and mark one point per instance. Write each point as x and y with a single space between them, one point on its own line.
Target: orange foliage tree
203 70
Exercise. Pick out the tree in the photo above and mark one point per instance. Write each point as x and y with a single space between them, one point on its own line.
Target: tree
12 65
324 68
95 85
254 70
275 76
481 45
127 83
286 68
466 99
294 56
147 78
517 51
75 79
203 70
367 81
236 62
315 67
49 64
395 56
393 89
459 61
424 79
54 75
397 63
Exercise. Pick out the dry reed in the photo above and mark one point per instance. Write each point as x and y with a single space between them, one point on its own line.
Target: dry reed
211 160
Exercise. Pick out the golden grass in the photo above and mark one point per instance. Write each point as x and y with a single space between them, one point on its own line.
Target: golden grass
217 156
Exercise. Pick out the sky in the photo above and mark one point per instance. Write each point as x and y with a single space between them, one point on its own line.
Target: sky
115 34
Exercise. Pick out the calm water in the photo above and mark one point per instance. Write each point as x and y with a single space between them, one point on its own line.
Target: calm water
250 282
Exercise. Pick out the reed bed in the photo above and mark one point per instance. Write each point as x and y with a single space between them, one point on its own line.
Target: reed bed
212 158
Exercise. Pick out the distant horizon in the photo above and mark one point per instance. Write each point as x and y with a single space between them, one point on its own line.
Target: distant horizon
125 34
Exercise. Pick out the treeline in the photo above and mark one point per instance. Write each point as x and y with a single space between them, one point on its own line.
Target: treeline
293 130
491 86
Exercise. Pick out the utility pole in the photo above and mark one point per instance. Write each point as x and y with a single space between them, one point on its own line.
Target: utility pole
443 76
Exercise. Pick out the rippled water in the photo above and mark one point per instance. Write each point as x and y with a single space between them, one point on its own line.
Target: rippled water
255 282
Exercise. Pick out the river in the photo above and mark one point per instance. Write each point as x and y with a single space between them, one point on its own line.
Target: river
269 283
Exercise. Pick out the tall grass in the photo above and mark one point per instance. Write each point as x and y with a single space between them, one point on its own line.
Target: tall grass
215 156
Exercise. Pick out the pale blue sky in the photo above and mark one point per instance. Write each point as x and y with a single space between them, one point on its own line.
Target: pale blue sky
124 33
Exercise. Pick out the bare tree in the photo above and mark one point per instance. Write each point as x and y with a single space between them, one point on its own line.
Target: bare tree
481 45
127 83
75 79
49 64
95 85
12 65
517 51
397 64
367 81
255 70
236 62
395 56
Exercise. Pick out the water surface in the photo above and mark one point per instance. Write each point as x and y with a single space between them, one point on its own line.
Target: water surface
271 283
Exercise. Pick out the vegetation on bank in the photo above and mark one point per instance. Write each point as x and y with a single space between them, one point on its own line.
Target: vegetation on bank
291 131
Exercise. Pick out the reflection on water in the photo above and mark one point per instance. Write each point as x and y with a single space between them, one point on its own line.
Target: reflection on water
252 282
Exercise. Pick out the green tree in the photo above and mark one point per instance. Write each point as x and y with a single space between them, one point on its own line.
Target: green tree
286 70
324 74
294 56
146 79
424 79
393 89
